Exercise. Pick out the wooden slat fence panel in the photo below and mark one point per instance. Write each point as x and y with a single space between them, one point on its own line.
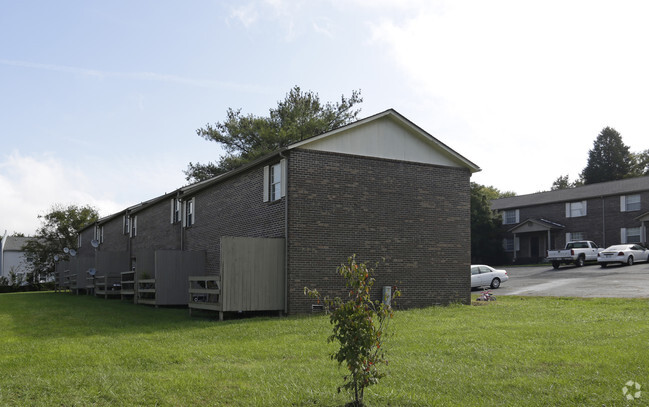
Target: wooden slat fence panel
252 273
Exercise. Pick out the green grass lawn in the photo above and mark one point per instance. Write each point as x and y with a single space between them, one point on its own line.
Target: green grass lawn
65 350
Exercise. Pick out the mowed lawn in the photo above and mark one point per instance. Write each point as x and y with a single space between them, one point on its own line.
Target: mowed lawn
66 350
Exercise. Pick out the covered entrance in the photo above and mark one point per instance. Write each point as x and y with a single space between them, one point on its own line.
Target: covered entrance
535 237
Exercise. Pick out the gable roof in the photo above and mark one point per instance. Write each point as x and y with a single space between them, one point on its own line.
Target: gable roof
447 155
390 114
15 243
611 188
536 225
398 139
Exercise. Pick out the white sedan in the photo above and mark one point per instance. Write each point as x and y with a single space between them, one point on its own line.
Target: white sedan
622 253
485 276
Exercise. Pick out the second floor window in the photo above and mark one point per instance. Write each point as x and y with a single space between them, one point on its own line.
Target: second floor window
189 217
576 209
133 226
275 182
175 210
511 217
630 203
99 234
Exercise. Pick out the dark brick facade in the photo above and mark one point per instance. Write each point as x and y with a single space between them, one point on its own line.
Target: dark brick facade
233 207
154 228
602 224
415 216
115 240
85 249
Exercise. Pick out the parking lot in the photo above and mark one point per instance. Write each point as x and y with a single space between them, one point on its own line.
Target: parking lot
570 281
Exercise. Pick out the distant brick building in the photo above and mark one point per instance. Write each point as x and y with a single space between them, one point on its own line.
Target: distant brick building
378 188
607 213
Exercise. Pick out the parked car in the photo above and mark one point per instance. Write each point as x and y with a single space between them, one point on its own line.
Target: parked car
623 254
577 253
485 276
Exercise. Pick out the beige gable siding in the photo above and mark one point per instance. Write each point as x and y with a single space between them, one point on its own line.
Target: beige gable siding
384 138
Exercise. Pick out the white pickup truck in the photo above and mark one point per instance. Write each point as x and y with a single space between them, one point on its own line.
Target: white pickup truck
576 253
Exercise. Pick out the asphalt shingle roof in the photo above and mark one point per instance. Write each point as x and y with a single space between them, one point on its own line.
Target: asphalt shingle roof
15 244
621 187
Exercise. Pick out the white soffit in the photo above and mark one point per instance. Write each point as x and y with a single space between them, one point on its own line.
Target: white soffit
389 138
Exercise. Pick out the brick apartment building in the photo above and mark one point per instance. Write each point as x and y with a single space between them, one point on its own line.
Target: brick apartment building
379 188
607 213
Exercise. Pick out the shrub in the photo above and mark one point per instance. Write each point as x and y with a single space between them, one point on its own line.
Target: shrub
359 326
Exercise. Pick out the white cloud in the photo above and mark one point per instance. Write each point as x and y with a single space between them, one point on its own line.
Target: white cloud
246 14
31 184
533 83
323 26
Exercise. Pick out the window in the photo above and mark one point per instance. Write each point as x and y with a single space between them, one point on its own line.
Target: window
99 234
190 213
510 244
175 210
631 235
133 222
576 209
275 181
511 217
574 236
629 203
127 230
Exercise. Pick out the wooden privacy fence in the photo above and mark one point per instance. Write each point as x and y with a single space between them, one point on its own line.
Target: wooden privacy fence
252 278
161 276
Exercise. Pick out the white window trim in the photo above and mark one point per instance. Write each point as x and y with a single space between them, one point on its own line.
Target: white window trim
584 206
624 203
624 235
517 244
99 234
175 211
186 205
126 225
133 224
517 217
570 238
282 181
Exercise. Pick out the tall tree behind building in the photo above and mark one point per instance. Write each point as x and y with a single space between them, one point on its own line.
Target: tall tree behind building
246 137
609 159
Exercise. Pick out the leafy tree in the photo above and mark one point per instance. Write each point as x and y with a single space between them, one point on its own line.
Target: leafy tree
58 230
608 160
486 233
360 327
246 137
640 163
563 182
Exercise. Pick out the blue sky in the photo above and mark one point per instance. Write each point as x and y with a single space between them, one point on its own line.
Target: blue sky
100 101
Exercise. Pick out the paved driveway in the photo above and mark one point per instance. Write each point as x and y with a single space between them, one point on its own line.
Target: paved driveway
569 281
